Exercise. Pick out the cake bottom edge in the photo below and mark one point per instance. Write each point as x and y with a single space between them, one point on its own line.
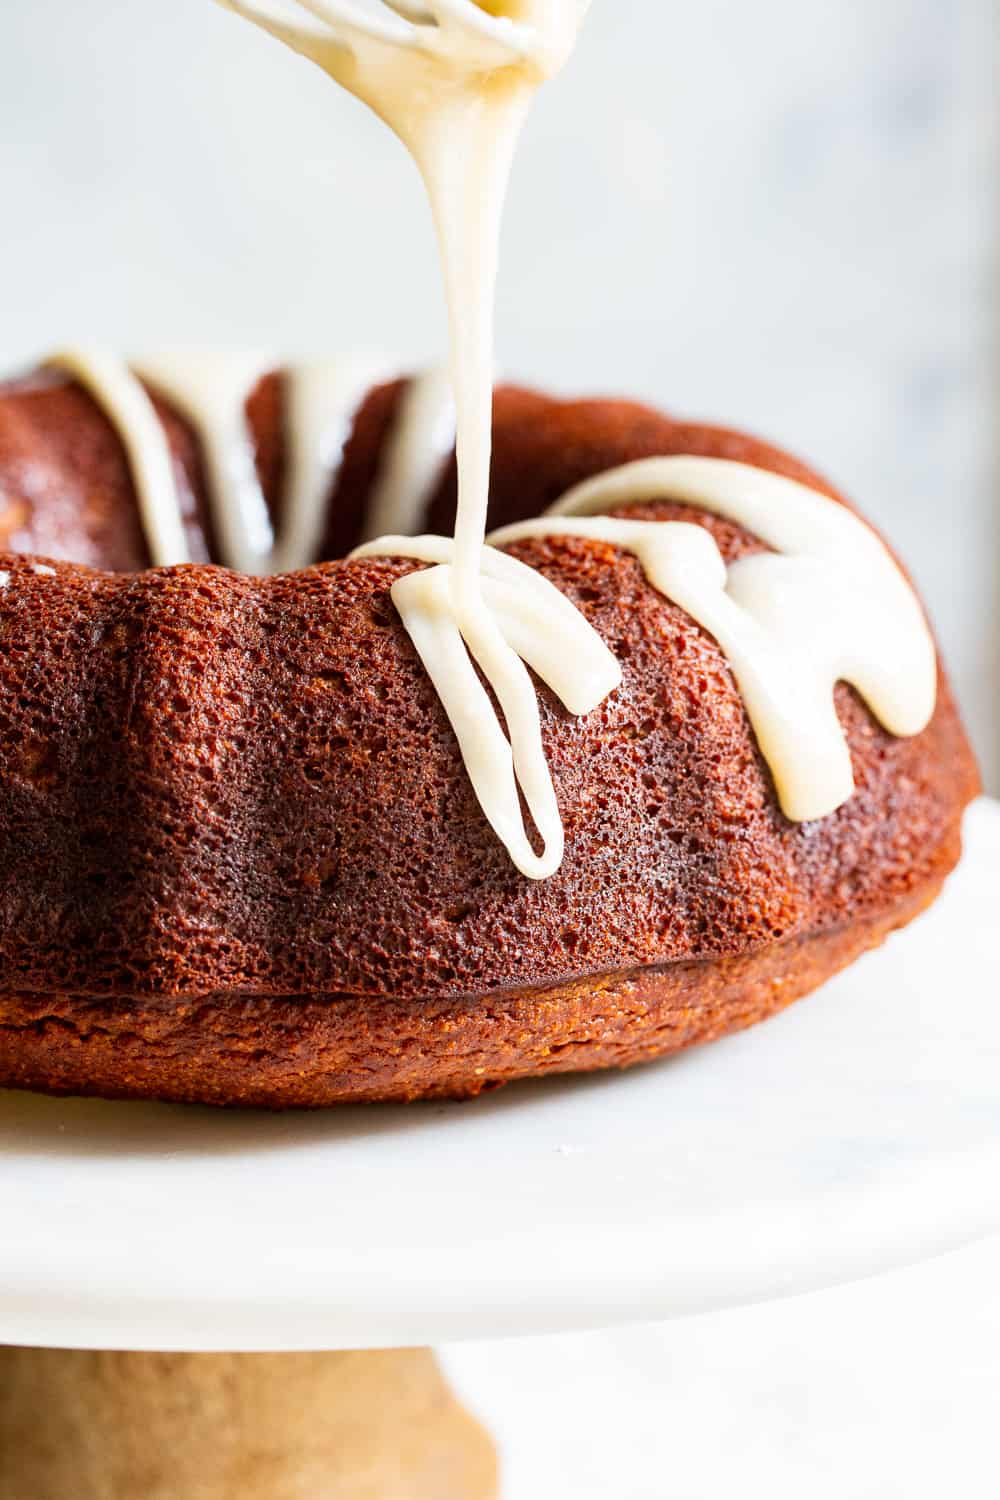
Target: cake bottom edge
308 1052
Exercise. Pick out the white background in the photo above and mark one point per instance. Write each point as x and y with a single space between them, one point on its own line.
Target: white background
884 1391
779 215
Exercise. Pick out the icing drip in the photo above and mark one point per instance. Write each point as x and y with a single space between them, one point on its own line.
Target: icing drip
211 391
321 401
829 604
423 438
123 400
538 625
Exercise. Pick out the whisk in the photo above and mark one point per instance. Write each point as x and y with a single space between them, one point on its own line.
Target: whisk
415 25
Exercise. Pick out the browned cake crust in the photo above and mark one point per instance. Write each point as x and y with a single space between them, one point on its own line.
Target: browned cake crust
242 862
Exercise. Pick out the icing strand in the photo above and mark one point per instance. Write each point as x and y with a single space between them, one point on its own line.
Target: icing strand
829 605
321 402
539 626
121 397
422 439
211 392
454 80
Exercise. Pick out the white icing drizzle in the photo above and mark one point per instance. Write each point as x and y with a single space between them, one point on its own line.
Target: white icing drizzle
211 391
321 401
422 439
121 397
539 626
454 80
829 604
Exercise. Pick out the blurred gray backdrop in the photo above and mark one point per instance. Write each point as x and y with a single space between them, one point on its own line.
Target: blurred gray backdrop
780 216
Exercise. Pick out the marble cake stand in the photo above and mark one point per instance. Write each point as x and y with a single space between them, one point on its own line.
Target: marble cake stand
857 1132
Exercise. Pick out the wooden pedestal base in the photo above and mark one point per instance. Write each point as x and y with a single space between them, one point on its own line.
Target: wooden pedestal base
368 1426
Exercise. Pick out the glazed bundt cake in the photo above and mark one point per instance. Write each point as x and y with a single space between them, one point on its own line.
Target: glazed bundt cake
244 861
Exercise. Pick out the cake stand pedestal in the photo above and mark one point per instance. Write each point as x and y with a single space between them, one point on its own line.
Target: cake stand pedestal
383 1425
857 1132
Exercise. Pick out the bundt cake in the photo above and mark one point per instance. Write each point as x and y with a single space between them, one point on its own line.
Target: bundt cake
244 859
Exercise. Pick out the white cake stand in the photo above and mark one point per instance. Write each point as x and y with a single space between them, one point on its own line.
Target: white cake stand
858 1131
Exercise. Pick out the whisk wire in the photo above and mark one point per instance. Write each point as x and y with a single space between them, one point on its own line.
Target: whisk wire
399 23
260 13
384 27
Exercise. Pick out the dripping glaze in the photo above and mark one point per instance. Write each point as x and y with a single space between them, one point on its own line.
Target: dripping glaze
456 94
454 80
322 399
828 603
